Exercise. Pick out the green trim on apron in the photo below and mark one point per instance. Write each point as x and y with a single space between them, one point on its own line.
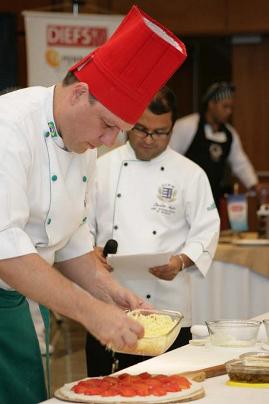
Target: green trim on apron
21 371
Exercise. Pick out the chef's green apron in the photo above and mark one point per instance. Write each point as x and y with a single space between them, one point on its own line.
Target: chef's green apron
22 378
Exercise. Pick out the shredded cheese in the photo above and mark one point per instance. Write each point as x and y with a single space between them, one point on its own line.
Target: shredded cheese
155 325
159 333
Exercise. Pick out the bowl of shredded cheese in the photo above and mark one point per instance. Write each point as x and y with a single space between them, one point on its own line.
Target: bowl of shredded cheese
161 327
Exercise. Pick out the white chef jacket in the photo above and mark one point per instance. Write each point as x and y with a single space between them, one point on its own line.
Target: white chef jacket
44 188
160 205
183 134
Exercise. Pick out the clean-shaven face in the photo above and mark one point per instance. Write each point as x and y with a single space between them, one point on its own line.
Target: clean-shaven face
89 124
148 148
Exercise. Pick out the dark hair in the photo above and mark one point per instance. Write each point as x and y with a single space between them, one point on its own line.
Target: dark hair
70 78
217 92
164 101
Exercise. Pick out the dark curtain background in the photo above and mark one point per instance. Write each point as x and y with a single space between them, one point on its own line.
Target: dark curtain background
8 52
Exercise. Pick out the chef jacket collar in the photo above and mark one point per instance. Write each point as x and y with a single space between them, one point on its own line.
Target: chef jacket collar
51 122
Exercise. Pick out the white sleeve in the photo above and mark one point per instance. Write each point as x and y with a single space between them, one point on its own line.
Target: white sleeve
240 163
15 166
183 133
204 222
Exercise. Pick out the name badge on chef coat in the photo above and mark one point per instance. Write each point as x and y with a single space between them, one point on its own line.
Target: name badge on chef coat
52 129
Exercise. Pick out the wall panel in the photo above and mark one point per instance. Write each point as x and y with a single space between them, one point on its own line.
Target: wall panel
251 115
248 16
184 17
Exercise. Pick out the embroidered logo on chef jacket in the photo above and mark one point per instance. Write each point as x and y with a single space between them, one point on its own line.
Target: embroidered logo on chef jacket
167 193
52 129
215 152
212 206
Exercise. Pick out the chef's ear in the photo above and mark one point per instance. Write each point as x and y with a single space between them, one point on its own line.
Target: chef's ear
79 90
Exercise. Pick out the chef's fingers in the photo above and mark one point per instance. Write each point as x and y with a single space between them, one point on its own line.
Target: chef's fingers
165 275
128 300
161 268
145 305
108 267
98 251
133 333
130 339
135 327
126 335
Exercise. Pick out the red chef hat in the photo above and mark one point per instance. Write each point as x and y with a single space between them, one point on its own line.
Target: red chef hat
126 72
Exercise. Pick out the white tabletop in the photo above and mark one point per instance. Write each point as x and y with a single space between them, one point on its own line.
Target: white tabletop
194 357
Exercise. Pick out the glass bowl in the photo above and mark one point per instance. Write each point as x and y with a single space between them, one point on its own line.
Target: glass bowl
256 357
250 368
233 333
161 328
266 326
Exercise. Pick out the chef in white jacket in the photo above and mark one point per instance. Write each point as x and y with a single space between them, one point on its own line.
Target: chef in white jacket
209 140
151 199
46 170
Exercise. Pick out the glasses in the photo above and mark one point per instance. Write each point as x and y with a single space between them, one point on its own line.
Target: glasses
154 134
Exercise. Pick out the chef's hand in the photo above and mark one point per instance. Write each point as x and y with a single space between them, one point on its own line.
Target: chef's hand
98 251
111 326
168 272
128 300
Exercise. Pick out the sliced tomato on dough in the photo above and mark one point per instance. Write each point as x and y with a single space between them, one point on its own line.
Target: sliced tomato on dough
158 391
87 390
181 380
172 387
127 391
144 375
141 389
112 392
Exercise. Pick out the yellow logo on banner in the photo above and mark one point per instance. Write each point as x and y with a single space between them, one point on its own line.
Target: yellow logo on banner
52 57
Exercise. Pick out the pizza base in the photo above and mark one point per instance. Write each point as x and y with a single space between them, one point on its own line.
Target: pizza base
195 392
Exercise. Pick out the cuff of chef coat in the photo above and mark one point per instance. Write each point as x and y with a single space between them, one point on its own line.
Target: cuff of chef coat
199 256
79 244
15 242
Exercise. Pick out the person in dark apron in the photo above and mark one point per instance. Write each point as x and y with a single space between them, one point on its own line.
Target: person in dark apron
211 142
211 155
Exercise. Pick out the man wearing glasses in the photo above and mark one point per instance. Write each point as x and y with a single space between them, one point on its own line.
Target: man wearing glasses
151 199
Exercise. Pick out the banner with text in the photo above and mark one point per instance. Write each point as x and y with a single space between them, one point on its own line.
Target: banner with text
55 41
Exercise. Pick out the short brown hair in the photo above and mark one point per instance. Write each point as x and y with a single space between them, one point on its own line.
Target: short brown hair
70 78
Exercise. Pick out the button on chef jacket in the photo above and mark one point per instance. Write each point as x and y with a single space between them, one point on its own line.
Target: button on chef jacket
44 188
165 204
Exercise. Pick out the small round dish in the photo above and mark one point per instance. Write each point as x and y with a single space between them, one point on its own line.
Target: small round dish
256 355
248 370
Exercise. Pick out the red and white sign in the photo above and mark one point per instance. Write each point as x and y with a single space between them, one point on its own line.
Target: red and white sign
76 36
56 41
